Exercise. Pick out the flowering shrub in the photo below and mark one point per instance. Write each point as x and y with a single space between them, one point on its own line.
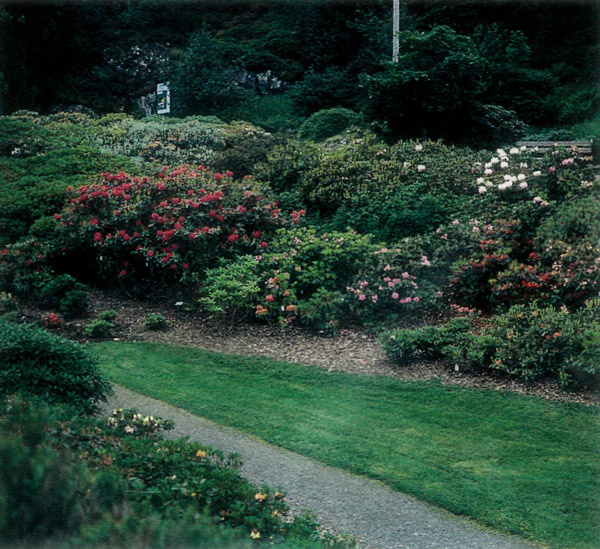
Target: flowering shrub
301 277
115 482
127 422
532 342
143 232
359 182
304 275
547 248
528 342
392 284
53 321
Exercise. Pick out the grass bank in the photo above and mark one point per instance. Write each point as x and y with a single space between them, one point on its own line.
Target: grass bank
517 463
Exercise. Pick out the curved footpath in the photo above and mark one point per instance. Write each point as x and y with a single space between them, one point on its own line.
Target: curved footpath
366 509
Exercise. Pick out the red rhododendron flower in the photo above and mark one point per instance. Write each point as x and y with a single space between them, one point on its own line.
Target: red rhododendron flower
218 176
97 237
263 244
149 253
256 234
229 173
233 237
270 297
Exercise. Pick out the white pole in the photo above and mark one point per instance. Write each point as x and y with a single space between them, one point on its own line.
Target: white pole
396 30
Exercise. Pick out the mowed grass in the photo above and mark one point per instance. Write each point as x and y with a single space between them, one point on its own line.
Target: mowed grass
519 464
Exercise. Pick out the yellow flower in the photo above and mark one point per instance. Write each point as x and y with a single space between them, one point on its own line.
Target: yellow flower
255 534
201 454
260 497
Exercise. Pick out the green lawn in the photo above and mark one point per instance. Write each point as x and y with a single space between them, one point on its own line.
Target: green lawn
517 463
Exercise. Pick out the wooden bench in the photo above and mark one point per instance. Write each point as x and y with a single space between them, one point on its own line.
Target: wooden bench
584 146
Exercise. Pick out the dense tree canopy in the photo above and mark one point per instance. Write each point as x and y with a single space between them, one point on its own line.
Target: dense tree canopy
536 59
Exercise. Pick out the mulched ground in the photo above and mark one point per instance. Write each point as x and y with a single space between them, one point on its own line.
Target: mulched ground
352 350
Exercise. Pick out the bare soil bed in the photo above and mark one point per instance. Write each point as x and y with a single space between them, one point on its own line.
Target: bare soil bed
352 350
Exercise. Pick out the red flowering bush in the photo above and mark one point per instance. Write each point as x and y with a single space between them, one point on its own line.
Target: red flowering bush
53 321
143 232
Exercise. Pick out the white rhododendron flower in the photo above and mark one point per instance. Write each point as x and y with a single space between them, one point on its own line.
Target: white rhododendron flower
480 180
523 185
514 150
489 171
504 165
420 168
537 173
418 147
482 189
487 165
521 177
494 160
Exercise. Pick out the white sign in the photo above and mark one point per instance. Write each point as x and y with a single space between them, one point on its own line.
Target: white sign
163 98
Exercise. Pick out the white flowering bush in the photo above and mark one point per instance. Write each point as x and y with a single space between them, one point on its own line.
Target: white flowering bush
129 422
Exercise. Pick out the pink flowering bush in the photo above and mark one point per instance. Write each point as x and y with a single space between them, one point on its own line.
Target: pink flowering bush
393 284
143 233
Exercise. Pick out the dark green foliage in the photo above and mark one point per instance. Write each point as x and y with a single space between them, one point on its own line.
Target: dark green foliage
36 362
433 86
42 489
206 80
327 123
528 342
429 342
114 482
325 90
99 328
64 293
245 146
155 322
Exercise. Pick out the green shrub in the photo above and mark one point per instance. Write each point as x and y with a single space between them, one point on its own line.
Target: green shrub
110 315
327 123
121 484
528 342
36 362
156 321
428 342
304 275
245 146
99 329
233 289
66 294
533 342
41 490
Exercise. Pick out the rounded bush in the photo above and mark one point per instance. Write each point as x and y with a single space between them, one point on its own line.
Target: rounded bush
33 361
327 123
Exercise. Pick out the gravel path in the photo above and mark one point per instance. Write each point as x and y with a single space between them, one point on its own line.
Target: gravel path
374 514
